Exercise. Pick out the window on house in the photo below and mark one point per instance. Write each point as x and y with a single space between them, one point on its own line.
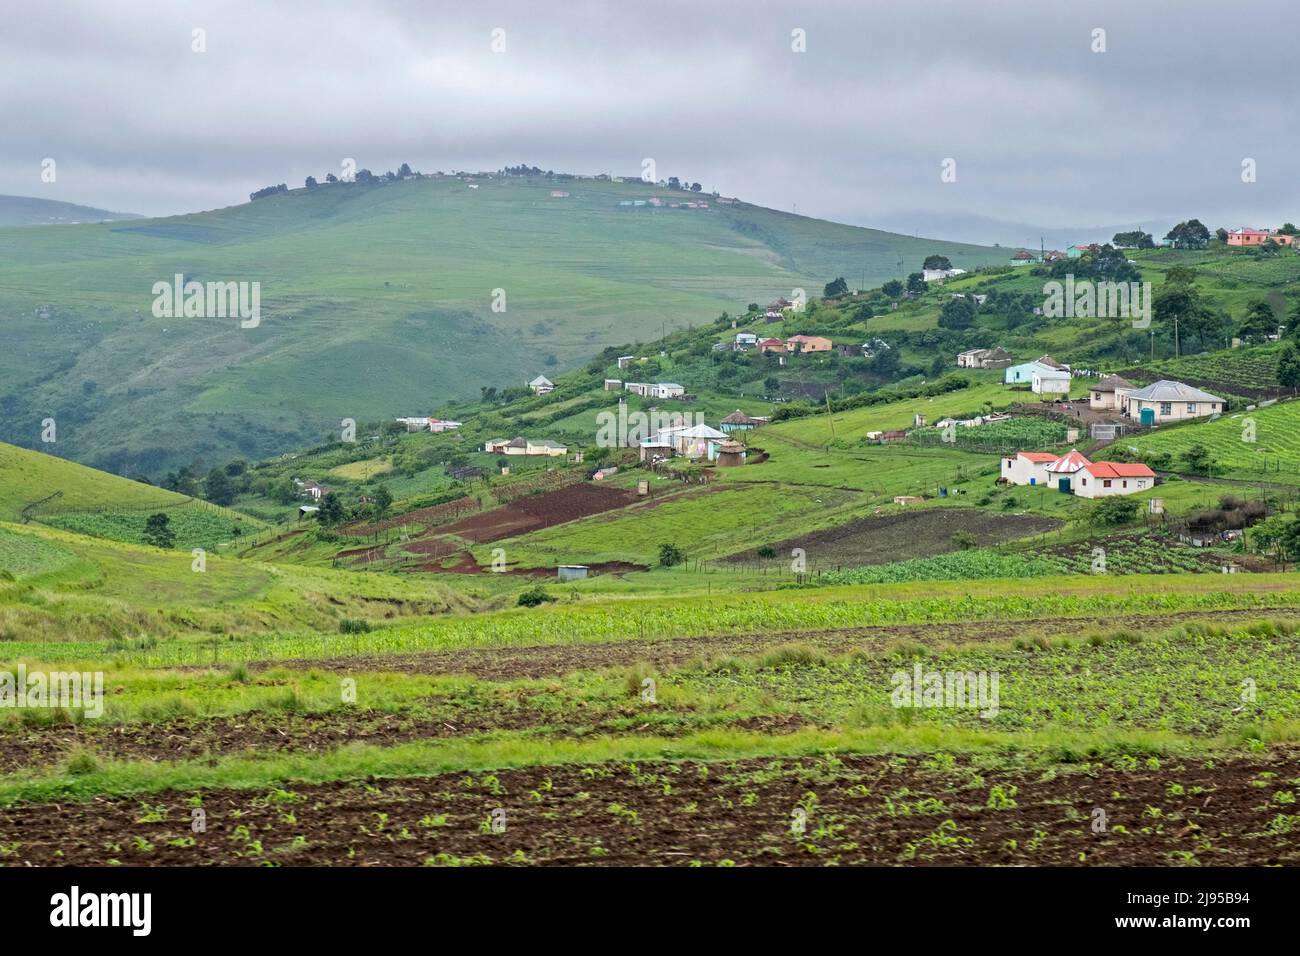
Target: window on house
1124 485
1106 483
1166 408
1191 408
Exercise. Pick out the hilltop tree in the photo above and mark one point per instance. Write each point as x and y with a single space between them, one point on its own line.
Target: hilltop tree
331 178
1191 234
158 532
310 182
936 261
696 187
836 288
1136 239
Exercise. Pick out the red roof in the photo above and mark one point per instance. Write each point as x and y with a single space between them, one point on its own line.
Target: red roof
1117 469
1037 456
1069 463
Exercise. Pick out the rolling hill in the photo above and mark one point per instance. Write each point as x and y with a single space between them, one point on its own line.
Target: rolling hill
30 211
377 300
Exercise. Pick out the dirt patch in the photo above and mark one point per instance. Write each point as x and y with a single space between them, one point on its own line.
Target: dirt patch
907 534
426 516
515 663
466 564
533 512
834 810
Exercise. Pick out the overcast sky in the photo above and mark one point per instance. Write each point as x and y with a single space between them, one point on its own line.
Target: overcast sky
1043 130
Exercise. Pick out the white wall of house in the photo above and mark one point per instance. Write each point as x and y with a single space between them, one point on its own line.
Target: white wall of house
1045 384
1169 411
1087 485
1021 471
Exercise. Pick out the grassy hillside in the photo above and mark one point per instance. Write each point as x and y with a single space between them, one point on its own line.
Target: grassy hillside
29 211
377 301
27 477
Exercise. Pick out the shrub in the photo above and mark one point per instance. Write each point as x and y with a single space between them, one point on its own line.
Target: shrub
354 625
534 596
670 554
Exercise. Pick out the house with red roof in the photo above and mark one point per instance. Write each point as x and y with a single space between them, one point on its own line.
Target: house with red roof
771 345
1075 474
1099 479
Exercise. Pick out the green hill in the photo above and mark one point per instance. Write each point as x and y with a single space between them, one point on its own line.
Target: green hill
27 477
29 211
376 300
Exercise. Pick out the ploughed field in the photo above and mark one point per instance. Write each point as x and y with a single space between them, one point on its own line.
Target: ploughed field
810 811
1156 723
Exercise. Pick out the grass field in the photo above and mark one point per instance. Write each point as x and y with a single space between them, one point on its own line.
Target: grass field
1259 445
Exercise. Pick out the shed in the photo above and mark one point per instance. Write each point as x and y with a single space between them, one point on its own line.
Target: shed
572 572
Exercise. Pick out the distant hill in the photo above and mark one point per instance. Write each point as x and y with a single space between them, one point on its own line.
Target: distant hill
28 211
378 300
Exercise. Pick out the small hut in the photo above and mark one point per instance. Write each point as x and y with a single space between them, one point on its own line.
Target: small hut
730 454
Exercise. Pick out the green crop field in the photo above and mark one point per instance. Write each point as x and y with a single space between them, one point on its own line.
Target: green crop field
1260 445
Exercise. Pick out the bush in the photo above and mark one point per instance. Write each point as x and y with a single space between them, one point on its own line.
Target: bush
354 625
670 554
534 596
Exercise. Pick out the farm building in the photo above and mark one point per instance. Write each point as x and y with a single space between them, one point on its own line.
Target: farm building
1099 479
698 441
938 275
1167 401
638 388
1027 467
1106 394
613 384
745 341
625 360
771 345
1050 382
572 572
542 385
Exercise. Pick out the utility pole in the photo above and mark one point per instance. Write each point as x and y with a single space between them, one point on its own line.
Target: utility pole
1176 352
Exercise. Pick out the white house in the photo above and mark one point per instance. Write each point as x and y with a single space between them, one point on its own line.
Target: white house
638 388
541 385
1100 479
745 341
1167 401
1050 382
1027 467
1062 472
667 390
938 275
697 441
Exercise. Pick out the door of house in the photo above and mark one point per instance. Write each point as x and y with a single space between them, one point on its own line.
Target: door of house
1063 484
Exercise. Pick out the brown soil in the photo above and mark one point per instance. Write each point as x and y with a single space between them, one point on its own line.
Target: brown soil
465 564
907 534
515 663
857 810
540 511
